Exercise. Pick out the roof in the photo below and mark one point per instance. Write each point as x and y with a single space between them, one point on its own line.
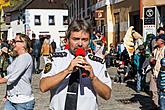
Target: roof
6 9
45 4
21 5
39 4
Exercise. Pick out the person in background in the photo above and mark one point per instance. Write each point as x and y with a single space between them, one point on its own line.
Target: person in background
92 46
1 44
11 52
63 75
97 35
66 46
122 72
160 30
53 44
139 59
103 38
99 48
19 77
161 85
4 61
157 55
120 48
46 49
11 43
36 47
111 57
150 43
153 43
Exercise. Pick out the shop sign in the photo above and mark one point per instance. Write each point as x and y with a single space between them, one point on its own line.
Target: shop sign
149 20
99 14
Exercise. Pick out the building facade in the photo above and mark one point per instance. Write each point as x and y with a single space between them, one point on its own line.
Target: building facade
4 21
44 18
124 15
111 17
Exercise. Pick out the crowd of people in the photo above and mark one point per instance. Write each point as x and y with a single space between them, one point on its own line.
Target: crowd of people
146 66
62 72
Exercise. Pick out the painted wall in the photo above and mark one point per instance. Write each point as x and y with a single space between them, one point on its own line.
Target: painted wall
55 31
14 26
124 9
153 2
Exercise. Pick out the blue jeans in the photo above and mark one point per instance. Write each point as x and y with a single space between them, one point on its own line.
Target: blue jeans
162 100
140 82
19 106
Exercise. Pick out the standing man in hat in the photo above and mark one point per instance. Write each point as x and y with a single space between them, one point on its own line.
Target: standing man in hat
63 75
158 54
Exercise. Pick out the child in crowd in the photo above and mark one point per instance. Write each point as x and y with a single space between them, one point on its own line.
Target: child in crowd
122 71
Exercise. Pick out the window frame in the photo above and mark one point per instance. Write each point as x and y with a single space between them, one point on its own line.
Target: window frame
53 20
65 19
35 18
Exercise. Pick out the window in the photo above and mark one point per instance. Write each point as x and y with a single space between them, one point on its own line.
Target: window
51 20
65 20
88 8
23 19
37 20
8 20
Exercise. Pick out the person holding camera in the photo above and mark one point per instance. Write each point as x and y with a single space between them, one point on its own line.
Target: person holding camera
64 74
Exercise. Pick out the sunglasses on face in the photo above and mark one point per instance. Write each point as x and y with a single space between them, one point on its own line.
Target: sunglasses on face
17 41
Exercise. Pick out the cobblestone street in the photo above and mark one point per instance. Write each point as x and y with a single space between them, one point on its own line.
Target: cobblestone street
123 97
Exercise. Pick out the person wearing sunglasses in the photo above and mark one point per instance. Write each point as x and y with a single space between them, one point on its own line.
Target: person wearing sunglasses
19 76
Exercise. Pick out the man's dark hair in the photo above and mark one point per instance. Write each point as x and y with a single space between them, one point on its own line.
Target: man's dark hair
33 35
17 34
78 25
161 36
159 29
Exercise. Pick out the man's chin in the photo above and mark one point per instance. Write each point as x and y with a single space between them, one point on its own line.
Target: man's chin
74 50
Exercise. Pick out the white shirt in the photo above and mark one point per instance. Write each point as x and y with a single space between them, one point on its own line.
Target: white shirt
99 50
84 102
19 76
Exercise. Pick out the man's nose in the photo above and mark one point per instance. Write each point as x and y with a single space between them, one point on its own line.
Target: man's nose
80 43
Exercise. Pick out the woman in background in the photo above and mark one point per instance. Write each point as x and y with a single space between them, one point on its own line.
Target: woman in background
19 77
